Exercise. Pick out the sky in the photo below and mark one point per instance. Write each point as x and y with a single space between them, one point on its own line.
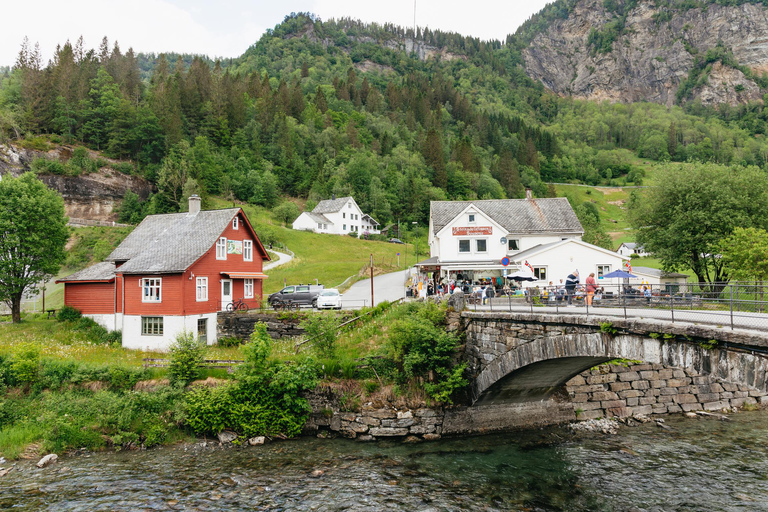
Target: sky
226 28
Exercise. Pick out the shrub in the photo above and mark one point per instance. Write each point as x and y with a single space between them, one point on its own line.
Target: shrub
187 354
68 314
266 399
322 331
229 341
424 351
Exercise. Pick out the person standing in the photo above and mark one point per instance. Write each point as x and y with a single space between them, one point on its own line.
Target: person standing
591 287
570 284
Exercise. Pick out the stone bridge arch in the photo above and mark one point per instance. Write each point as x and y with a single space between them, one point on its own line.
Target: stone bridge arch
519 357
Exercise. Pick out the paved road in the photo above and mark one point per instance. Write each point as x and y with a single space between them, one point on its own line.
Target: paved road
385 287
282 260
725 319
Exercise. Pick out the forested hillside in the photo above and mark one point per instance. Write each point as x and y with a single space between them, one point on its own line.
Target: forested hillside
314 108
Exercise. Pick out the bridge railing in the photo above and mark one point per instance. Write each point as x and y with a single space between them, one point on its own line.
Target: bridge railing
734 304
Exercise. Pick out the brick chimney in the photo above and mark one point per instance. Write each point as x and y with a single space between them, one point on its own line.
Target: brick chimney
194 204
528 194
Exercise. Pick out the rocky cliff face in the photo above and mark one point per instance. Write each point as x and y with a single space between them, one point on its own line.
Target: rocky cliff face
654 53
89 196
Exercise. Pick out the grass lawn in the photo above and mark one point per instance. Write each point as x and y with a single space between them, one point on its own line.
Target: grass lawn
330 259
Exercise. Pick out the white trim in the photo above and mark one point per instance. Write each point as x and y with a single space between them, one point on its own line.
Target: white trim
247 283
221 248
201 285
146 295
235 223
248 250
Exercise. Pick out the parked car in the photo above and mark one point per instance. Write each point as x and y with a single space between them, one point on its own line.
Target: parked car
395 241
329 299
302 294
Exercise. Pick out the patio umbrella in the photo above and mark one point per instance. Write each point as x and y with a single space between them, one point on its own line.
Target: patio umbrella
522 275
618 274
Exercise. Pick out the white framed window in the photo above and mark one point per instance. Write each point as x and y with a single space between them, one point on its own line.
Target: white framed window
481 245
464 246
319 226
602 270
343 215
247 250
151 289
151 326
221 249
202 289
344 227
235 223
513 244
202 329
540 273
248 288
471 217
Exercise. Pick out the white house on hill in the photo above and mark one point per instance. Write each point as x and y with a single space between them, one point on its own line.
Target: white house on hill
630 248
339 216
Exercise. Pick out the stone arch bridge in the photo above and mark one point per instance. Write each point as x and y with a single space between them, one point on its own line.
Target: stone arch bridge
527 369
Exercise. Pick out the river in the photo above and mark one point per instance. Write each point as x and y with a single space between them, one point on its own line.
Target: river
695 464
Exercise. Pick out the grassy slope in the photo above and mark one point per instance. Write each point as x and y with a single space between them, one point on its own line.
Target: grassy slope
330 259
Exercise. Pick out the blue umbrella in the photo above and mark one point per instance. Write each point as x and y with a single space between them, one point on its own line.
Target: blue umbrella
618 274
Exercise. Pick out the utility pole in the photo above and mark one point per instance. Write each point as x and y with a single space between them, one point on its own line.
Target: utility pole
372 304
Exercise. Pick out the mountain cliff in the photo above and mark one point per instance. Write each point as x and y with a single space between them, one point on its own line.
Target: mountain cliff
667 52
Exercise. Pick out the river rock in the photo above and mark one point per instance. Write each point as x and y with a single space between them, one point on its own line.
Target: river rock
48 459
226 436
317 473
4 472
255 441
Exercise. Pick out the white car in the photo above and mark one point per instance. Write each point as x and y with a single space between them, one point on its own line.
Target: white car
330 299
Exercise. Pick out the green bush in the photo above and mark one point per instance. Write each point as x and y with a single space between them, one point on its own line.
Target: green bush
265 400
322 331
187 354
425 352
68 314
229 341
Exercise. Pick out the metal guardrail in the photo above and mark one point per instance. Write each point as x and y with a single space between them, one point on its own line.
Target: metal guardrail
736 305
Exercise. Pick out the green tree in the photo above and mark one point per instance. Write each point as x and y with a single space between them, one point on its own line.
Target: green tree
745 255
34 231
286 212
683 220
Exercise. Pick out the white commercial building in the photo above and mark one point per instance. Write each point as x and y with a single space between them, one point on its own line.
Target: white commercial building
478 240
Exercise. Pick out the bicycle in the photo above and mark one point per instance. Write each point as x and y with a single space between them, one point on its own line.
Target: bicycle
238 305
284 305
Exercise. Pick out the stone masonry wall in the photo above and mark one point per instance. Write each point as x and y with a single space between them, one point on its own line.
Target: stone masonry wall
239 325
645 389
373 421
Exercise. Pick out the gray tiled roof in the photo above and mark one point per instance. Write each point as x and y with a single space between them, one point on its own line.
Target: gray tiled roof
171 242
331 205
523 216
319 218
103 271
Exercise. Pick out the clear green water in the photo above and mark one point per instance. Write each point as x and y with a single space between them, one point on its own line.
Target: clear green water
697 464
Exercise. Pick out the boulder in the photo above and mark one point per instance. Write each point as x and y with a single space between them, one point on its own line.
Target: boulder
48 459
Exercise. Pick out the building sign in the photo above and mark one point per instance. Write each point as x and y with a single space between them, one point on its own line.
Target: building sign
234 247
472 231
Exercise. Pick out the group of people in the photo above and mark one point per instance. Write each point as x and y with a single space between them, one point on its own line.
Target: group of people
573 288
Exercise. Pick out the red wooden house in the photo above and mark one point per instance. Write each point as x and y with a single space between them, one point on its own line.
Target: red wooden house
174 272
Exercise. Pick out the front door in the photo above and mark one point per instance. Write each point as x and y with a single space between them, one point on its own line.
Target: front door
226 293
